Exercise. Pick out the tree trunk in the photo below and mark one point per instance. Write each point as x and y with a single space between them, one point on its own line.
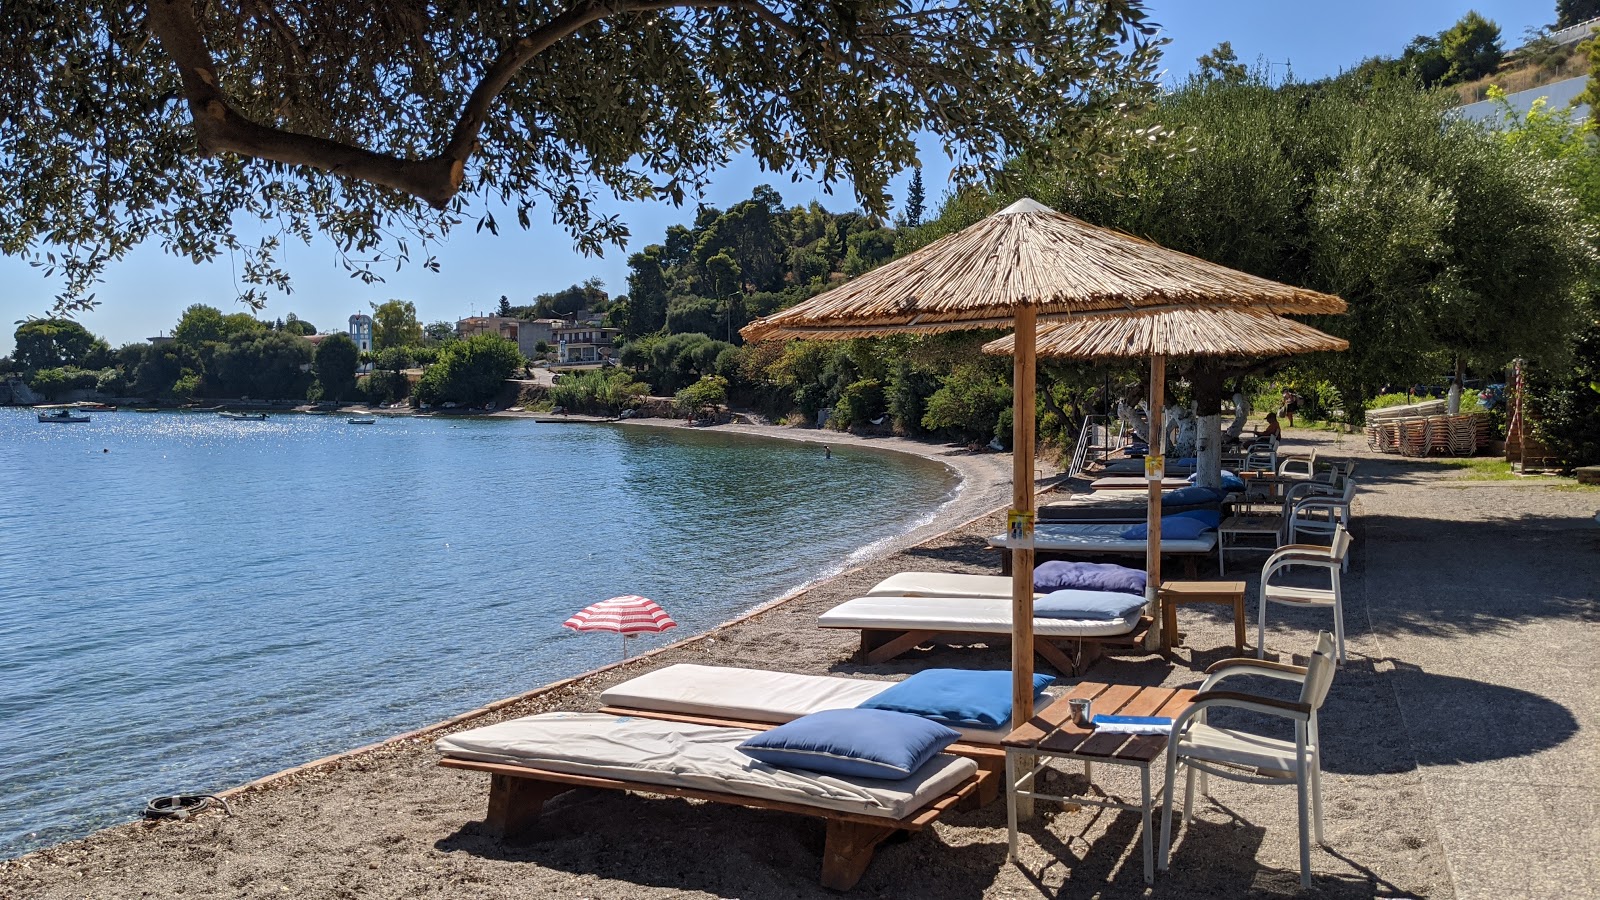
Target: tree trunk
1455 389
1208 387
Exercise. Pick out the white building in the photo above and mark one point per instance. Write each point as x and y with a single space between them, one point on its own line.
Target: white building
361 333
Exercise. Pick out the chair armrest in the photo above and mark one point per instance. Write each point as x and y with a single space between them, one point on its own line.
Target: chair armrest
1250 662
1311 549
1229 668
1271 706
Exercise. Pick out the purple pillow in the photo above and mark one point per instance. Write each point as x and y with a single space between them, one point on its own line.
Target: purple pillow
1060 576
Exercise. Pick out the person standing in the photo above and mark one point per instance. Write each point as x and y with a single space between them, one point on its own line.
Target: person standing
1291 403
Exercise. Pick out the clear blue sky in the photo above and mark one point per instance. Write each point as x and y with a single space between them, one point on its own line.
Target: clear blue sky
145 294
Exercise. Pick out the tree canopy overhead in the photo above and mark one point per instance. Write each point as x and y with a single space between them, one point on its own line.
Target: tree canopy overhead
172 119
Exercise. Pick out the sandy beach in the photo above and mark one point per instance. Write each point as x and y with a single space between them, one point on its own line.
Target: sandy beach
1460 746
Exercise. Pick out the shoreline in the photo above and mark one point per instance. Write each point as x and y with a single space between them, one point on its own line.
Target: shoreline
982 485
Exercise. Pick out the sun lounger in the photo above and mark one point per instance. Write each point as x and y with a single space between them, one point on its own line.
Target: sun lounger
758 698
1055 541
1135 466
533 759
941 584
891 626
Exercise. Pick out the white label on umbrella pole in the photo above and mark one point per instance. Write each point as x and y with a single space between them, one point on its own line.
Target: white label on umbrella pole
1155 467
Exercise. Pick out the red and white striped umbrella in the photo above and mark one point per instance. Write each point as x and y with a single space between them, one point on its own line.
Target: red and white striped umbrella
627 616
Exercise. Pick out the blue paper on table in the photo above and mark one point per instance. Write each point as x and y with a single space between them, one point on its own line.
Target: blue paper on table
1133 724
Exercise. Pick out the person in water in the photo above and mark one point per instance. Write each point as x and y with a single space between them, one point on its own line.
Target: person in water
827 452
1273 429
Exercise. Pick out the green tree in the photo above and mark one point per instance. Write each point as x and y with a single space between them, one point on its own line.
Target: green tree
439 332
1471 48
266 365
703 398
1571 12
372 127
1566 401
293 324
201 324
969 403
1222 64
57 343
1591 89
916 201
334 365
394 324
470 371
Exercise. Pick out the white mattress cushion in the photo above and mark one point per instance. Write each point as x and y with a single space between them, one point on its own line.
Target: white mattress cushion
962 615
756 695
942 584
703 757
1105 538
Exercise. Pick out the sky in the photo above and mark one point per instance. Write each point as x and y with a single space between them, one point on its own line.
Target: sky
144 294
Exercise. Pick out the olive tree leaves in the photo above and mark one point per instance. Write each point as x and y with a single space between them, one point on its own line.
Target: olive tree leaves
383 125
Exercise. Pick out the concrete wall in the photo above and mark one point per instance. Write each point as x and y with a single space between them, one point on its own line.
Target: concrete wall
1557 94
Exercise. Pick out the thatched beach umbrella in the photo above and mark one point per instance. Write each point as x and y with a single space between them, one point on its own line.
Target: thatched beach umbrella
1009 269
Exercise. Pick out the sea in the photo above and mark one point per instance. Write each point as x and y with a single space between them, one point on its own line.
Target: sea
189 602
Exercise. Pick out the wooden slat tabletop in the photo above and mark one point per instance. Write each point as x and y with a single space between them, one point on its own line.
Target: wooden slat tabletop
1052 730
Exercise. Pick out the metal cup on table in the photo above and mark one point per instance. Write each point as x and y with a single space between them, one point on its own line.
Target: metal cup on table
1082 712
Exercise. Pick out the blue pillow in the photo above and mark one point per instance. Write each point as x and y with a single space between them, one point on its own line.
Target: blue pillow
855 743
1230 481
956 696
1186 461
1174 527
1100 605
1191 496
1211 517
1057 575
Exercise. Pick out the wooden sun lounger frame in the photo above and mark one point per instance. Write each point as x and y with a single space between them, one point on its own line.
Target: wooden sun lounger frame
989 757
517 795
1191 559
1068 655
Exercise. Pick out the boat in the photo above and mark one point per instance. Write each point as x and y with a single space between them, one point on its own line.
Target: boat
362 420
147 409
61 416
97 407
244 416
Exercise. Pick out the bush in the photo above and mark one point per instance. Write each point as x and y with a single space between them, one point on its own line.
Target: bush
598 391
470 371
703 397
858 405
969 404
1566 403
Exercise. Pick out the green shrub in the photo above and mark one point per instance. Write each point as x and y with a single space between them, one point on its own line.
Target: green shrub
597 392
702 397
969 404
858 405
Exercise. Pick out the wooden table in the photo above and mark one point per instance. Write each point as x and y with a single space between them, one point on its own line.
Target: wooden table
1174 593
1050 735
1260 526
1134 483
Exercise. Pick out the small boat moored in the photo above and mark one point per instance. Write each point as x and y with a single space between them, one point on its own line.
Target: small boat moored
62 416
362 420
244 416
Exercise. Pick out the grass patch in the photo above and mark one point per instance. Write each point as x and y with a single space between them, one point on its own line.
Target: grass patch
1481 468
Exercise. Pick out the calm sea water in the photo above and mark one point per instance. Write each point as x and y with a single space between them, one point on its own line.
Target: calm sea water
211 601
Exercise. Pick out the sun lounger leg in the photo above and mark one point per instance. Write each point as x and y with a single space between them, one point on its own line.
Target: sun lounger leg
515 804
1052 654
847 851
877 646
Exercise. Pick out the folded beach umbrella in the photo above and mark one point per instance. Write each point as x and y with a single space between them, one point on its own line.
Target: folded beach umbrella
1025 264
627 615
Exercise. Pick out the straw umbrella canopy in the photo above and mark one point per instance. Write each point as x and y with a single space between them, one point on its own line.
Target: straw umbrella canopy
1009 269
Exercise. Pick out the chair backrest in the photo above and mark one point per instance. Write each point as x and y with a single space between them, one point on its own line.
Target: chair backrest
1340 545
1319 672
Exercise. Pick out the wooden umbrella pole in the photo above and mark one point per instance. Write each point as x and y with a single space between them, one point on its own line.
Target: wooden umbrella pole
1157 458
1022 447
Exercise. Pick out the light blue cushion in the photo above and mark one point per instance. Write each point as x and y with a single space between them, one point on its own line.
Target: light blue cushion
1057 575
1230 481
1074 604
1191 496
1211 517
1174 527
957 696
854 743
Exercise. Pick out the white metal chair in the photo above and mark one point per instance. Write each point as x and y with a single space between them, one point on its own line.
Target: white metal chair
1321 515
1331 559
1301 466
1248 757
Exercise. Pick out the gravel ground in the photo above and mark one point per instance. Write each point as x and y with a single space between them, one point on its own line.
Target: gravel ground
1460 744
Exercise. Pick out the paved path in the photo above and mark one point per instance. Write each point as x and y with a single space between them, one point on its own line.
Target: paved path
1482 600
